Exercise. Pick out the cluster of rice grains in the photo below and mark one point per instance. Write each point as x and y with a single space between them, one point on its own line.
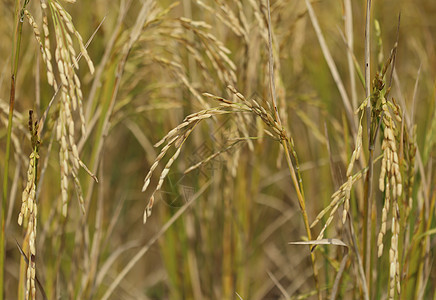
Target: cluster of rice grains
71 100
29 208
71 94
390 181
343 194
177 136
204 48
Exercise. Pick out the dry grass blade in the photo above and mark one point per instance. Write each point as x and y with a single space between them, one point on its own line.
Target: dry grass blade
338 278
332 66
336 242
271 67
359 259
239 296
279 285
349 37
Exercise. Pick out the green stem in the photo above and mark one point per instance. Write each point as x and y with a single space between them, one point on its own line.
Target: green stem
302 204
368 183
367 216
297 164
16 42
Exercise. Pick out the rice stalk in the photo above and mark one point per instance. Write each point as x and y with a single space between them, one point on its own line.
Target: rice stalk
16 44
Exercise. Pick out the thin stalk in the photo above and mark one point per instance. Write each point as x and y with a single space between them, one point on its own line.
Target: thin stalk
294 156
297 183
16 43
302 204
368 184
349 40
359 260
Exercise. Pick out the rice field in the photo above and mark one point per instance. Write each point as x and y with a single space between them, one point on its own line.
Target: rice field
217 149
